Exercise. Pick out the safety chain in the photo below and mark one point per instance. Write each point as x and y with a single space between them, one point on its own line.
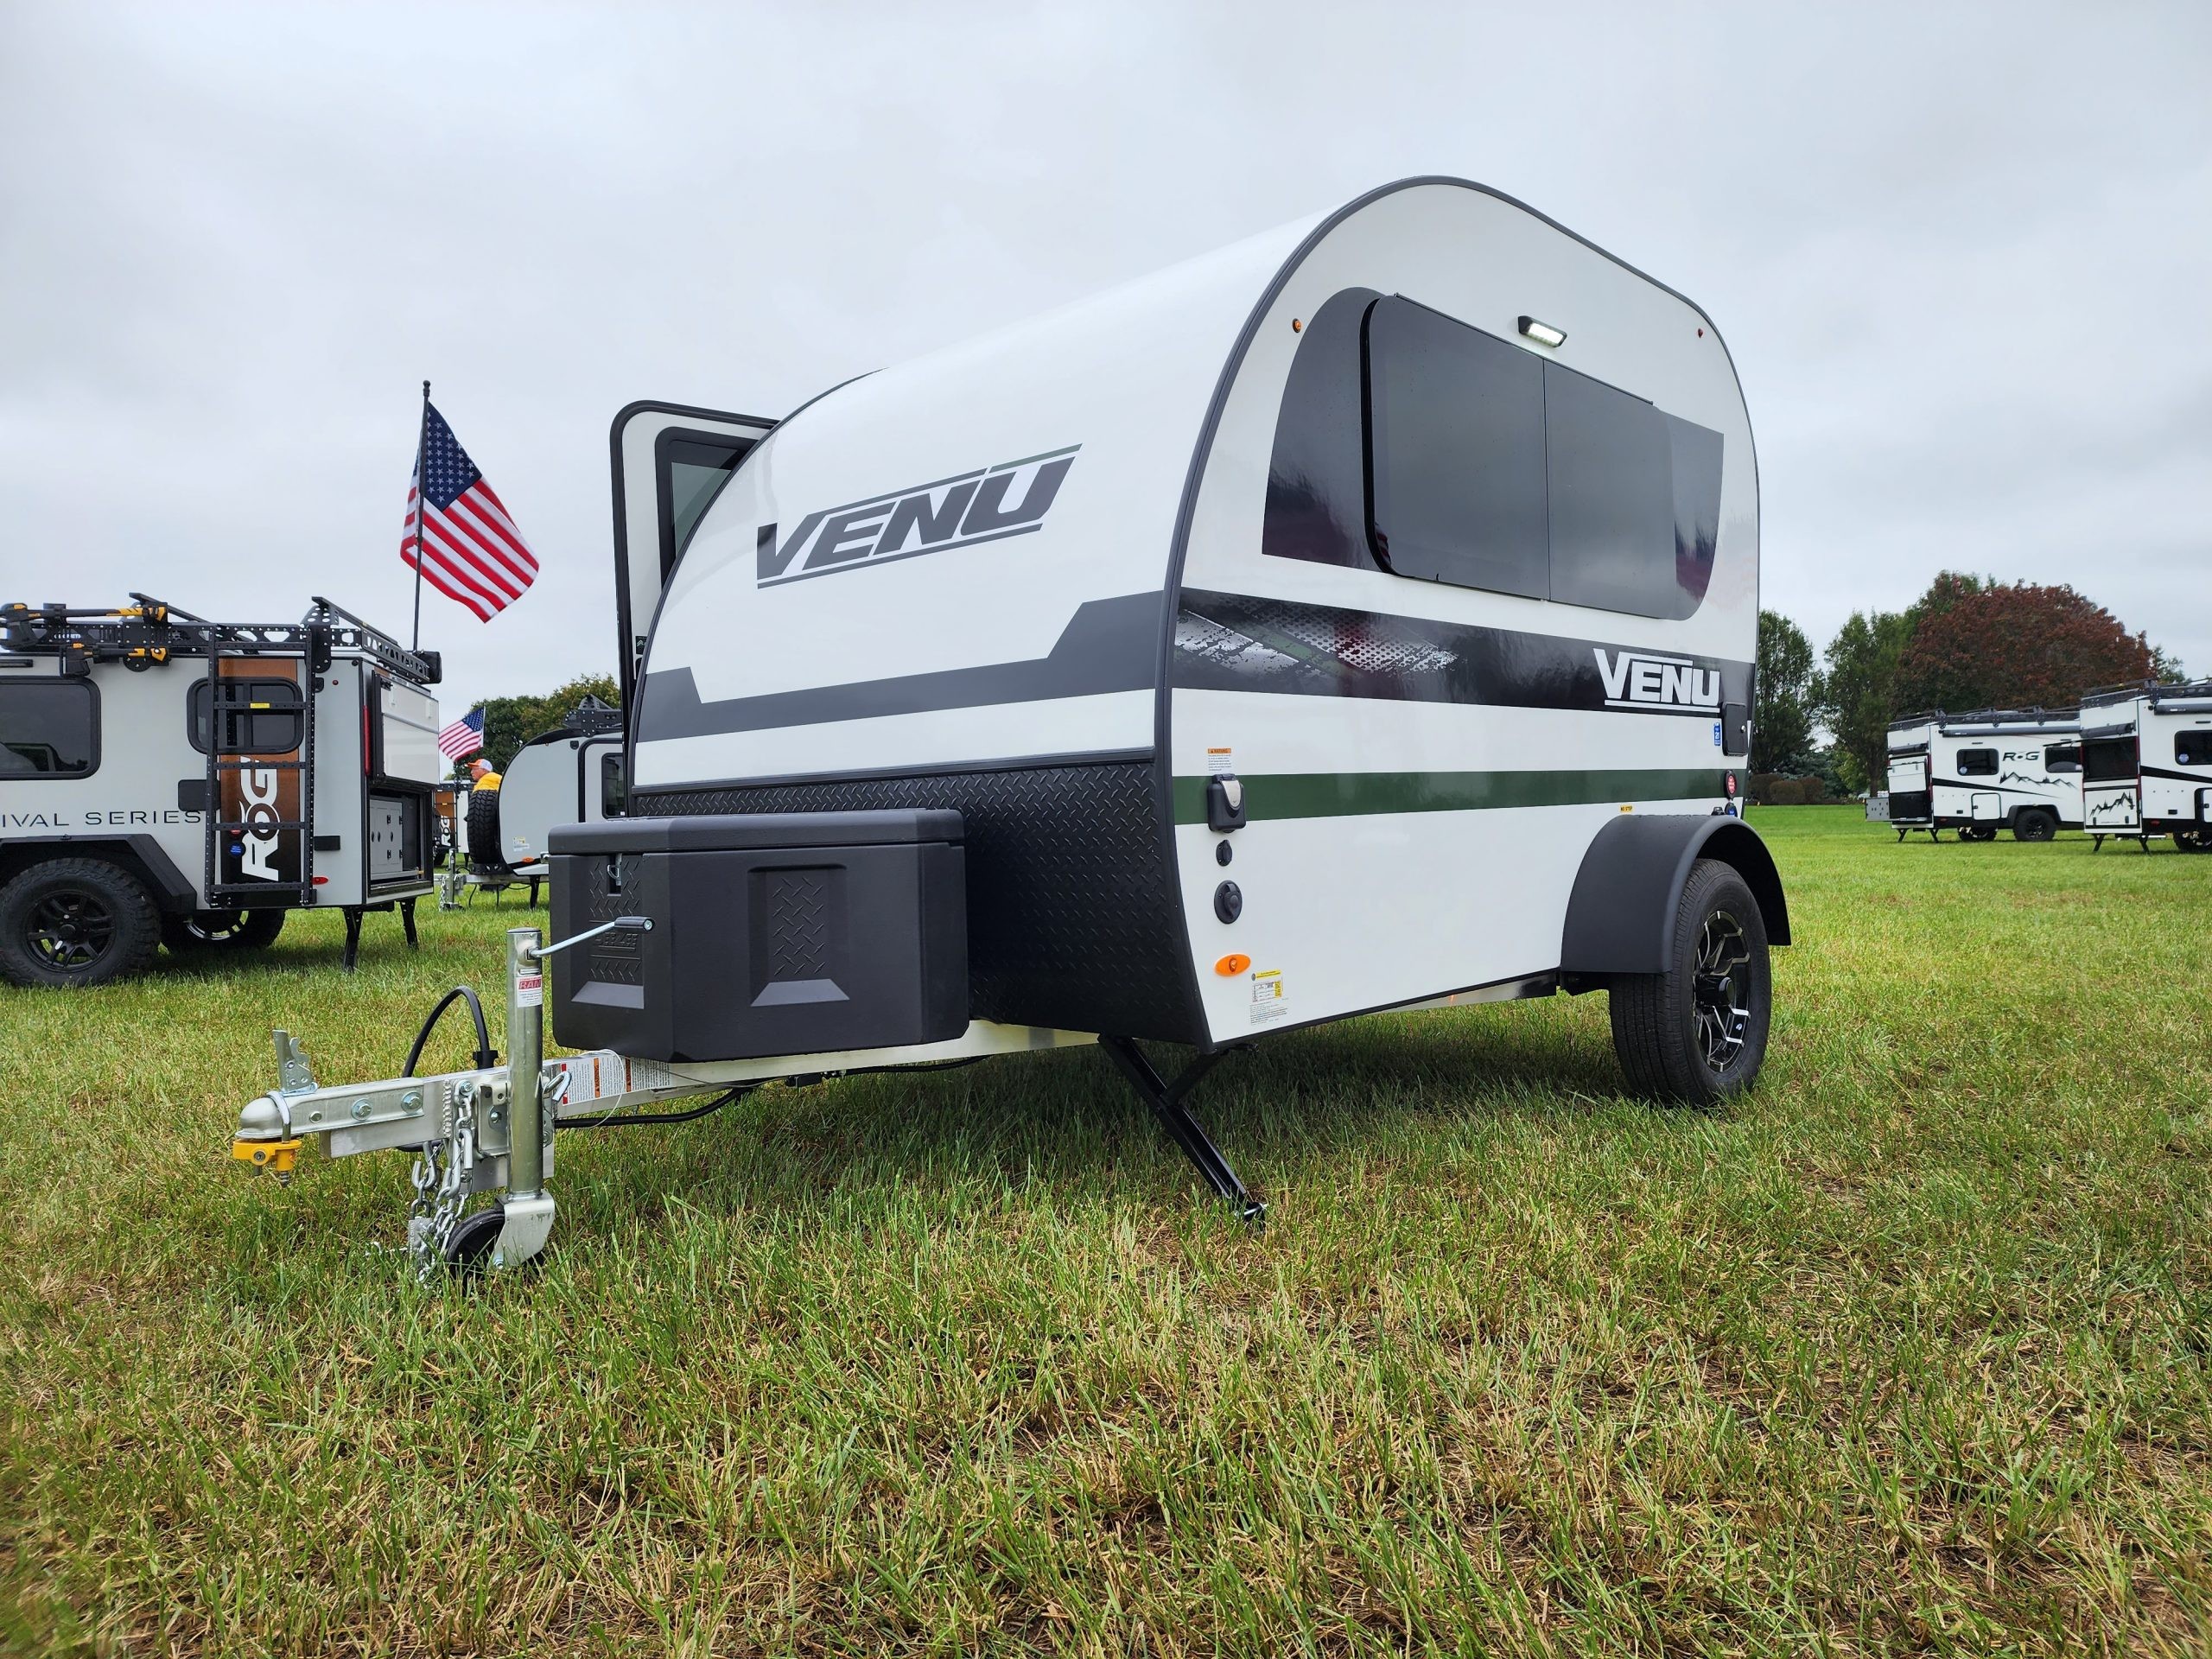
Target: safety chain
441 1177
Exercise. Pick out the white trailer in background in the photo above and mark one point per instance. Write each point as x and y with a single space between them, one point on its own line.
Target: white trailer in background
2017 769
1362 617
2146 752
168 780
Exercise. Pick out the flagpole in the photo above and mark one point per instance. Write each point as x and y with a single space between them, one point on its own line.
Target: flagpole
422 483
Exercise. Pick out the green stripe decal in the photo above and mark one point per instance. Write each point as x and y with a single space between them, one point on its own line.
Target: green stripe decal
1339 794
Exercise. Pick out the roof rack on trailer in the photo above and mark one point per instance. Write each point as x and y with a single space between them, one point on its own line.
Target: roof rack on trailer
2036 716
2157 691
152 631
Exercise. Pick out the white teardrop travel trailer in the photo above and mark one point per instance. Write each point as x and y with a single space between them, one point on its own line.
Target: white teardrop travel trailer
1361 617
2146 752
2017 769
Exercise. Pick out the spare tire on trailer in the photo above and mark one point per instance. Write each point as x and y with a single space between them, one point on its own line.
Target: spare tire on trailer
486 852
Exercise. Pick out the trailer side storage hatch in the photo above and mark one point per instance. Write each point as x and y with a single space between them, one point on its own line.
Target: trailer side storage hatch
773 933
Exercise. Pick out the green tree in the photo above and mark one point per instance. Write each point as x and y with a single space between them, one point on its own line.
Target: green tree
1857 694
509 723
1782 729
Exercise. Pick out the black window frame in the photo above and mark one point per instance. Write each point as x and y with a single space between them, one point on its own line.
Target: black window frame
1959 762
2063 758
42 683
1331 469
2204 734
681 444
199 700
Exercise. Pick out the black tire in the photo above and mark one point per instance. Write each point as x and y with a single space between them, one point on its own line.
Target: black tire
2034 824
221 930
1693 1034
1977 832
2193 841
74 922
486 850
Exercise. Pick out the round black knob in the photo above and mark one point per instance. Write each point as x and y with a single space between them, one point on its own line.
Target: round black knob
1222 852
1228 901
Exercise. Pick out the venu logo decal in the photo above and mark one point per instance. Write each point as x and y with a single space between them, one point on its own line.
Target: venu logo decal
985 506
1658 684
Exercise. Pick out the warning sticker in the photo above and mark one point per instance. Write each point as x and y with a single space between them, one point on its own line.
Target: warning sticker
530 990
1218 763
1268 1002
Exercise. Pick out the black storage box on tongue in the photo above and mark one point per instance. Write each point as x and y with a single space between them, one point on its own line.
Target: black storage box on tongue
772 933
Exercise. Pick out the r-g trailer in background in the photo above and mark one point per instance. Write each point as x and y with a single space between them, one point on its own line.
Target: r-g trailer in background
165 779
1361 617
2017 769
2146 752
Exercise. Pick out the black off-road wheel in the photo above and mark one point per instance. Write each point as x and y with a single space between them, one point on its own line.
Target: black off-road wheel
1696 1033
221 930
2035 825
2193 841
74 922
1977 832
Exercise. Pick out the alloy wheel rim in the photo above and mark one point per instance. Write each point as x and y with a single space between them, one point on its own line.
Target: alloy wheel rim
72 929
1720 988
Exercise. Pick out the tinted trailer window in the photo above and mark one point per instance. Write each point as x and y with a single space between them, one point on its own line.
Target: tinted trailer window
49 730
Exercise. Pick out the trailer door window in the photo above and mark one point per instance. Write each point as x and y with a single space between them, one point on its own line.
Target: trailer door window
2108 759
2061 757
256 716
49 728
1977 763
2193 749
693 467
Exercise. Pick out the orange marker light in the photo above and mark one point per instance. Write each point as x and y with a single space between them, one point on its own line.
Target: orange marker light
1296 325
1230 965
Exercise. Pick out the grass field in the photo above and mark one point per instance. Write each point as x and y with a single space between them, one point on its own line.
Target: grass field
1907 1351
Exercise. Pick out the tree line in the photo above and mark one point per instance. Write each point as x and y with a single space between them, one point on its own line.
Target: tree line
1969 642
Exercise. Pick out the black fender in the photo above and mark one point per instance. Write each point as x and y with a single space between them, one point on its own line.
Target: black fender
141 855
1620 918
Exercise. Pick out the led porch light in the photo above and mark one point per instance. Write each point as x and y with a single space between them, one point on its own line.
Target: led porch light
1542 332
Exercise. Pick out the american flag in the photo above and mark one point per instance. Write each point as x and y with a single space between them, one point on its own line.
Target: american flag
464 737
470 550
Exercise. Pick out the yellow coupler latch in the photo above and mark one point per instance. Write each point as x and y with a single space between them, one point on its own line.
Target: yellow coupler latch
277 1156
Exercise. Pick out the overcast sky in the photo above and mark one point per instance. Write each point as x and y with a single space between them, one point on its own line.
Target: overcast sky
1962 256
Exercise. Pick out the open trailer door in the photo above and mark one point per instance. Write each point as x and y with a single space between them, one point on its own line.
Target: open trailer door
670 461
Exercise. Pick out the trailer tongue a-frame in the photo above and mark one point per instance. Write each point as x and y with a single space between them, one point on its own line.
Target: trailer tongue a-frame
1361 617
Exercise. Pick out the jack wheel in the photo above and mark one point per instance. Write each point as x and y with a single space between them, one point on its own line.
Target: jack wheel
468 1252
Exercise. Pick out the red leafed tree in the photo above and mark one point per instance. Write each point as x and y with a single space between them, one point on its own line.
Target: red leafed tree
2012 646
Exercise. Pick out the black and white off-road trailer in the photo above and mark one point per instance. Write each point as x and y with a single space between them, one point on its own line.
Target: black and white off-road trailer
571 774
2017 769
1361 617
2146 756
167 779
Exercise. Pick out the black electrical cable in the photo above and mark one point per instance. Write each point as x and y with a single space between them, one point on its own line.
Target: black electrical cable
486 1056
616 1121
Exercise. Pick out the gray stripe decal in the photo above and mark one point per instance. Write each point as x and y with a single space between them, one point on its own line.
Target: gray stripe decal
1110 645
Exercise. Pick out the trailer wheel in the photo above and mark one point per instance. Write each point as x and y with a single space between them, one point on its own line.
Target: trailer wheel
221 929
2192 841
1977 832
2034 824
75 922
1697 1033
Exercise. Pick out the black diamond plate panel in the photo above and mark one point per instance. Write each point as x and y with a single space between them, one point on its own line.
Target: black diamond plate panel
798 924
1071 914
614 958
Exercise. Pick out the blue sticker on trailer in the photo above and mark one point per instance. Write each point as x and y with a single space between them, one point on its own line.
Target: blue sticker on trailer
1716 734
